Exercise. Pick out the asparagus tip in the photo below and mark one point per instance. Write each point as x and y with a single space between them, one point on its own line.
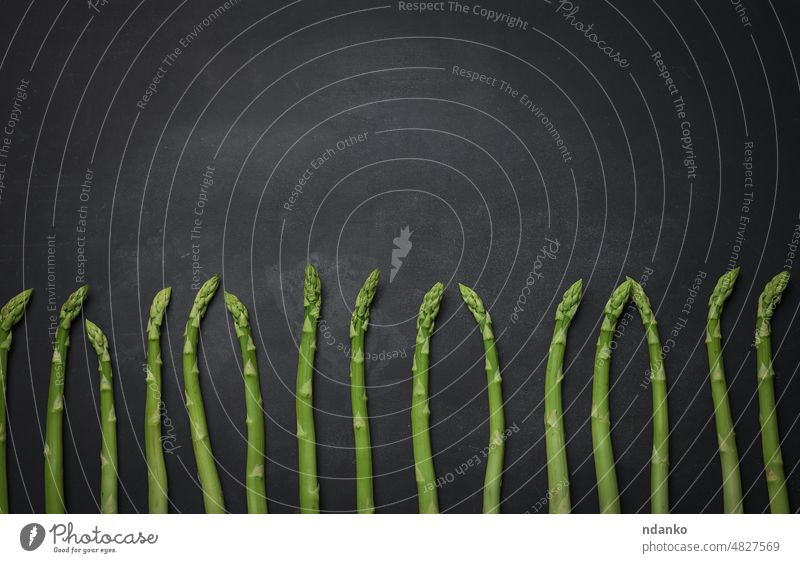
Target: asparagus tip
12 312
360 317
166 293
474 304
731 275
160 302
722 291
237 309
97 339
312 290
618 299
637 293
642 303
430 306
771 295
211 283
203 298
569 303
72 306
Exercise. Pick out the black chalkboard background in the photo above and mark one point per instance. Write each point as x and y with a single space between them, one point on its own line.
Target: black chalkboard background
258 90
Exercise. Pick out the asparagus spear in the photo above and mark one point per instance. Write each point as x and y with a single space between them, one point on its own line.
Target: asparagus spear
304 409
494 387
358 394
767 416
10 315
726 438
607 489
53 444
108 421
254 477
420 412
659 460
201 443
557 468
156 469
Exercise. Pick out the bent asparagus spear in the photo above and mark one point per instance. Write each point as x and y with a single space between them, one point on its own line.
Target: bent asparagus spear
304 408
201 442
420 411
767 416
607 489
726 437
557 468
254 476
10 315
53 442
494 387
108 421
158 501
365 503
659 460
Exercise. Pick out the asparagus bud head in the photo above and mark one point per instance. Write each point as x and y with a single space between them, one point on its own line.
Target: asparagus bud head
12 312
360 320
157 310
430 307
569 304
98 340
72 306
312 291
721 292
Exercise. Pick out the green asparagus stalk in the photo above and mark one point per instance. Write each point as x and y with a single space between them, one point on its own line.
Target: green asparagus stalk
10 315
420 411
201 442
494 462
108 421
156 469
607 489
659 460
254 477
726 438
359 322
53 444
304 408
557 468
767 416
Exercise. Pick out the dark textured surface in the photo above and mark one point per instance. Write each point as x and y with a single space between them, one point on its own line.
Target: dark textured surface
476 176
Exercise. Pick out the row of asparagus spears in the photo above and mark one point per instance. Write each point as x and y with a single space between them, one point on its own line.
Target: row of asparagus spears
557 467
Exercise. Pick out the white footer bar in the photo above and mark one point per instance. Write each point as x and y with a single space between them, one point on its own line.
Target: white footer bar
410 538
